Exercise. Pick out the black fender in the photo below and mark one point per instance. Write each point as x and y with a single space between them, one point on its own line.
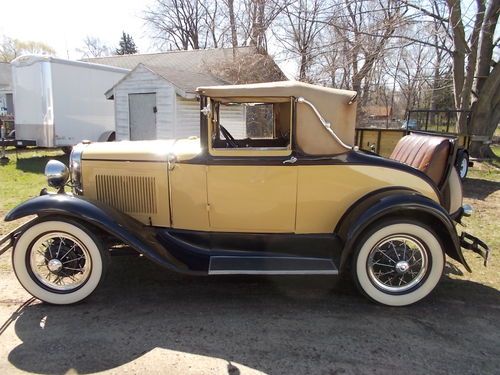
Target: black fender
397 203
125 228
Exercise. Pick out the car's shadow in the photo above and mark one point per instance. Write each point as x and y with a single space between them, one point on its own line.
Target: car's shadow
477 188
277 325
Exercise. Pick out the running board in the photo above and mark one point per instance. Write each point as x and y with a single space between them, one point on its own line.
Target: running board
255 265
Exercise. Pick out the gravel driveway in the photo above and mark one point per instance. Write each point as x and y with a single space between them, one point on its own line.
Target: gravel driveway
146 320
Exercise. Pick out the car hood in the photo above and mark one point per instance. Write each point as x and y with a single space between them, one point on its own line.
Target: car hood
158 150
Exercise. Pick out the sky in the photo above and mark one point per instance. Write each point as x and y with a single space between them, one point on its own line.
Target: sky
63 24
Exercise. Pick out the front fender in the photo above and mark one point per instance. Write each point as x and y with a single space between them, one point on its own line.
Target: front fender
123 227
398 203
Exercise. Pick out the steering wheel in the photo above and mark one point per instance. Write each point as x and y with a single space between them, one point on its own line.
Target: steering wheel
229 138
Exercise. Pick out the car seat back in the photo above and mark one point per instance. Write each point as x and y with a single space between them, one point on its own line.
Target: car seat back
428 153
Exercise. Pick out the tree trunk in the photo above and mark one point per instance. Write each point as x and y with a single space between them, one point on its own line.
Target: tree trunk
232 23
303 67
485 115
460 48
486 105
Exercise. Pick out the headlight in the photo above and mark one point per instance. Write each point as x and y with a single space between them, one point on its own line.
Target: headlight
57 174
75 167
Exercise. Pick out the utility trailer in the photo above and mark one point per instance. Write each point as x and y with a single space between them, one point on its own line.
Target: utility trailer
61 102
440 123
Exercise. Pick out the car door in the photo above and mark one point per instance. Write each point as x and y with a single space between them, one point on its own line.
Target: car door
252 179
252 198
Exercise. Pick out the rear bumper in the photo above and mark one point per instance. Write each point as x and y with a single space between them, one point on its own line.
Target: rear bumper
474 244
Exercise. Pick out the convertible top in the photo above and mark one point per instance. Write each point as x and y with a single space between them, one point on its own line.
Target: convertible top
338 107
271 89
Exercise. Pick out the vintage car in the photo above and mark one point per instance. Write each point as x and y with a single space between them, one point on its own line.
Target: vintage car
289 195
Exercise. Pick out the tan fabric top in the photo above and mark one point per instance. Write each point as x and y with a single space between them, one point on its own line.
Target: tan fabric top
336 106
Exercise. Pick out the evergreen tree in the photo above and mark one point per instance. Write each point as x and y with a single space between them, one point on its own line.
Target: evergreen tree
127 45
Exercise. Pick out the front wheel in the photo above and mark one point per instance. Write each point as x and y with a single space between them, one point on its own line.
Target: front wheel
398 263
59 262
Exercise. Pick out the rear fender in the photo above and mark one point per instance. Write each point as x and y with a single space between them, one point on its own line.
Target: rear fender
397 203
123 227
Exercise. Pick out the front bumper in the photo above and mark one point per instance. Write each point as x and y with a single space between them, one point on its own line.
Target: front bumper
8 241
469 242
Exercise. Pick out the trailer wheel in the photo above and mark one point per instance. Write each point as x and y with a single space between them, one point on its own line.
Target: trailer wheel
462 164
67 149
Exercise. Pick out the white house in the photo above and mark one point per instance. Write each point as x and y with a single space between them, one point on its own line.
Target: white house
159 103
157 98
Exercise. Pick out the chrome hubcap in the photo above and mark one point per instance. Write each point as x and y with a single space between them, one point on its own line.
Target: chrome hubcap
463 167
397 263
60 261
402 266
54 265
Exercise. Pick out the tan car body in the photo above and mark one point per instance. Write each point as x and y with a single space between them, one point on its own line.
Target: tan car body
280 199
244 198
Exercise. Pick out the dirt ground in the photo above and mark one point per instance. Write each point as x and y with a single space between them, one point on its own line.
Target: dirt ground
144 319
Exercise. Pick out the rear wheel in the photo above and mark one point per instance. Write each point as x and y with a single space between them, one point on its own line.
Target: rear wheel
59 262
462 164
397 263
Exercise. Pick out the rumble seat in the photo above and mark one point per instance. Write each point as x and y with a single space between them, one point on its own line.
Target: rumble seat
424 152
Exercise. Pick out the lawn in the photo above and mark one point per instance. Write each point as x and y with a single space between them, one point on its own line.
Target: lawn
23 178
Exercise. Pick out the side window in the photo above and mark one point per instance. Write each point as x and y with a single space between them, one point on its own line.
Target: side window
251 125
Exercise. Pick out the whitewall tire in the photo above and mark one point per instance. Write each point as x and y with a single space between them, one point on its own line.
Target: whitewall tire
398 263
463 164
59 262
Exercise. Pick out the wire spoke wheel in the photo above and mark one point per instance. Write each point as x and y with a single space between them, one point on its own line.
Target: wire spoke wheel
397 263
60 261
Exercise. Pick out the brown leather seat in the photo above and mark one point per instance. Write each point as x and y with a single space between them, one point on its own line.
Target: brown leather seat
424 152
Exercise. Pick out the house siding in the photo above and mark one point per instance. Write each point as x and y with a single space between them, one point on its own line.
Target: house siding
187 117
176 116
143 81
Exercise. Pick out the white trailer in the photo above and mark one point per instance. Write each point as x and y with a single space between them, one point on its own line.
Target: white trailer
61 102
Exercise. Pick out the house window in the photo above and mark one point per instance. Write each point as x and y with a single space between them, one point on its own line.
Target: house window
251 124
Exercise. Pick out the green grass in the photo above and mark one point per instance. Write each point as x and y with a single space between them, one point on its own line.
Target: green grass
23 178
496 150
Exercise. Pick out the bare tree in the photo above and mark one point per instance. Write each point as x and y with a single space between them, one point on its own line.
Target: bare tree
476 73
8 49
232 25
11 48
299 33
362 30
94 47
177 22
256 18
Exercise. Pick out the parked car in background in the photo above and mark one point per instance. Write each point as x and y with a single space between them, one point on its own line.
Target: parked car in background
299 199
409 124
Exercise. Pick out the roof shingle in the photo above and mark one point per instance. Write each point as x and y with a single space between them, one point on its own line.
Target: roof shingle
185 69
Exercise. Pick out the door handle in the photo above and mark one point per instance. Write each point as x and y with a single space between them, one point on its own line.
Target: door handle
292 160
171 160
